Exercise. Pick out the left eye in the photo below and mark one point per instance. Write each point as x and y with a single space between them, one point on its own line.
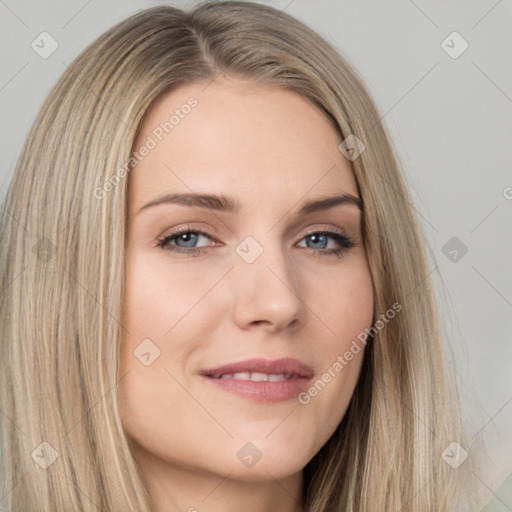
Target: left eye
185 241
322 238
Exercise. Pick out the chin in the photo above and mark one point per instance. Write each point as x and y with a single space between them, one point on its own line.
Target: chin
251 464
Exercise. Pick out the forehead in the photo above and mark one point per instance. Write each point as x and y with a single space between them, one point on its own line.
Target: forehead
259 143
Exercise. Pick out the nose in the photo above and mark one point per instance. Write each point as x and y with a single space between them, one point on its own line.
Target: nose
266 291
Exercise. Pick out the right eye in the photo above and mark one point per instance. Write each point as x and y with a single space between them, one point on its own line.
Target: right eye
186 237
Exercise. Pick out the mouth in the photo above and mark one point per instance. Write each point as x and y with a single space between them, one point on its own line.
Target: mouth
262 381
255 376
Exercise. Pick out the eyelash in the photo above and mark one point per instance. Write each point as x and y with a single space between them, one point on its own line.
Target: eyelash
341 238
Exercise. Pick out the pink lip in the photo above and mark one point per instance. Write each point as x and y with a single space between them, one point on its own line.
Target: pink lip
286 365
299 374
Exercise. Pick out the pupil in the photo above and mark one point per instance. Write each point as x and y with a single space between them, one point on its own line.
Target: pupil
188 237
315 238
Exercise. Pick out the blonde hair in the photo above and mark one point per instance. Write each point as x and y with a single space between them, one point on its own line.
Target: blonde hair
62 253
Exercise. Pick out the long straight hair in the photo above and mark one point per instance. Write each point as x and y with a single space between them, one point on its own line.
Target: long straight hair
62 274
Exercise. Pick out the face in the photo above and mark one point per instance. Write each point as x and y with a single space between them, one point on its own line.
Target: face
262 279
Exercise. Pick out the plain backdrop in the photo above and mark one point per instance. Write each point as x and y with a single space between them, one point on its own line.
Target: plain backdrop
449 114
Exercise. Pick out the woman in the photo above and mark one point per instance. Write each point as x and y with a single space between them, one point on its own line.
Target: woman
291 361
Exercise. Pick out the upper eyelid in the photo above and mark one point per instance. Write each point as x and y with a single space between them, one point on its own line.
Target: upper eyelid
190 228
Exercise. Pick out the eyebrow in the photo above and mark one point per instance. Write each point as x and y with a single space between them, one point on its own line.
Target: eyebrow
227 204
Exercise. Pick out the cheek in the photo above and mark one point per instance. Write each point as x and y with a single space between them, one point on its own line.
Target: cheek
344 302
160 294
166 319
345 309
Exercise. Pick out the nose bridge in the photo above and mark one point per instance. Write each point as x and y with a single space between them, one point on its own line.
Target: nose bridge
266 284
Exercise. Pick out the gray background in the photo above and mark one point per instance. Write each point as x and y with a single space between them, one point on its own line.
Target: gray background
449 118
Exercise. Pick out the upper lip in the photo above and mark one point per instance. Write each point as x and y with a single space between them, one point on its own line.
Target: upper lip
286 366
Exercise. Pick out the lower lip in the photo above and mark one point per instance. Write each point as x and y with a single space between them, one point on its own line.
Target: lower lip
263 391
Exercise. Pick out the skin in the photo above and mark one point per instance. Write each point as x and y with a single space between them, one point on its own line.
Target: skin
271 150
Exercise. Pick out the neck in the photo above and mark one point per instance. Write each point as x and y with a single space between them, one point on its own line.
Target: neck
175 488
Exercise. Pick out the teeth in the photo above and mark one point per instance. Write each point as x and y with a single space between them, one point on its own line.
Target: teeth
242 376
275 377
256 376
